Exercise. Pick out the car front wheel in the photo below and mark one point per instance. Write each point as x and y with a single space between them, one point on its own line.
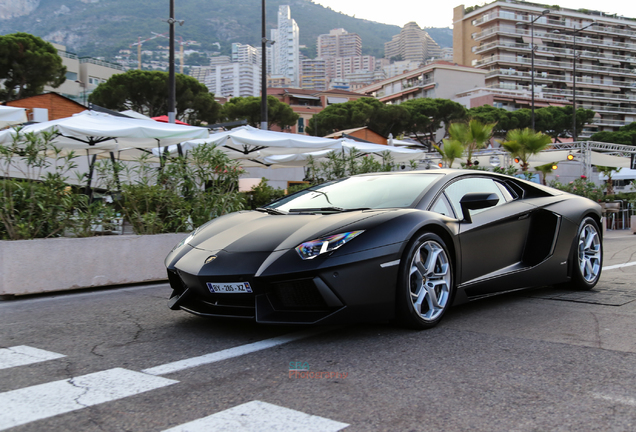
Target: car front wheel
588 256
425 286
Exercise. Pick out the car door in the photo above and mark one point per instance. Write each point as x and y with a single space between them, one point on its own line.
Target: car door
492 243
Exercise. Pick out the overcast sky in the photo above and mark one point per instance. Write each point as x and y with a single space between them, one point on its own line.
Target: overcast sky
428 13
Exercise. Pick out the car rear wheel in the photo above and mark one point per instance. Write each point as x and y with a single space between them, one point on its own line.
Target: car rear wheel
425 286
588 256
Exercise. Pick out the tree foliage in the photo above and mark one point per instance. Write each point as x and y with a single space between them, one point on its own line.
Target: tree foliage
469 136
147 92
27 64
427 116
369 112
249 108
553 121
624 135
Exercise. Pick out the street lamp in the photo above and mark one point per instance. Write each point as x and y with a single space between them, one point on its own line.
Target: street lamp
532 49
171 77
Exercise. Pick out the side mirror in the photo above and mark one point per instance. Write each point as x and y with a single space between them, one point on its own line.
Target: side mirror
476 201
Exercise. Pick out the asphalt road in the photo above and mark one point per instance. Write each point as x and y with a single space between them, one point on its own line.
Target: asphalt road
113 360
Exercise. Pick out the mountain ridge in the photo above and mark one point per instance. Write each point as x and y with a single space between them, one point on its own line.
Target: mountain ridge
103 27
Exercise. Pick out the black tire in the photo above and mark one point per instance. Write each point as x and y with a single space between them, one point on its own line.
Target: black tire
425 287
587 256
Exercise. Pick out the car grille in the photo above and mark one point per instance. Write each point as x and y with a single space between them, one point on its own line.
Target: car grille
299 295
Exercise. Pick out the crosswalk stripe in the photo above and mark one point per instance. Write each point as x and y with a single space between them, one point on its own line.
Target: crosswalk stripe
257 416
23 355
47 400
231 352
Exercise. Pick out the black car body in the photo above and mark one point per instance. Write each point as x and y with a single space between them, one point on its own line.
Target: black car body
375 247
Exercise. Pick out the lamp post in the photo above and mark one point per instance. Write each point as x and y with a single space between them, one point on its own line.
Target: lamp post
574 59
171 78
263 70
532 49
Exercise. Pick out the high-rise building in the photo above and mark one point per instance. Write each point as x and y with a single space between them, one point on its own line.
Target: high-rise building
285 58
497 37
234 76
339 43
338 67
314 74
245 54
234 79
412 43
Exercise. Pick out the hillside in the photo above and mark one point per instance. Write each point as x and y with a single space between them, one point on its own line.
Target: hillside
102 27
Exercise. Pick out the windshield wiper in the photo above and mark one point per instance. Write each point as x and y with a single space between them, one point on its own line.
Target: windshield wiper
326 209
270 210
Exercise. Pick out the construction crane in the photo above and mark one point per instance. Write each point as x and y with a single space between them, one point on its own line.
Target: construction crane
181 45
140 42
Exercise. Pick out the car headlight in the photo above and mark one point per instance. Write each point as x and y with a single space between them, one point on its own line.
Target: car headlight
311 249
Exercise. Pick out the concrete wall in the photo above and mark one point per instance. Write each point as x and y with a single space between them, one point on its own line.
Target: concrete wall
59 264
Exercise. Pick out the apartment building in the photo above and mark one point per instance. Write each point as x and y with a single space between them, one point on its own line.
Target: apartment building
339 43
242 53
313 75
600 47
338 67
234 79
83 75
412 43
439 79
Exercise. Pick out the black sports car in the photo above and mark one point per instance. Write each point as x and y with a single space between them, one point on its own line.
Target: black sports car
377 247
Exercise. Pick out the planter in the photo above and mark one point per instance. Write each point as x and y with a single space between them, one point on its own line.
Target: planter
60 264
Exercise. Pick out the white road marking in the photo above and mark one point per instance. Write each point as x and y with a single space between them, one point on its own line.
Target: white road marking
47 400
230 353
24 355
257 416
629 264
616 399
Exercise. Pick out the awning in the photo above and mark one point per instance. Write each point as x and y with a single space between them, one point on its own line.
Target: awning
297 96
604 159
335 100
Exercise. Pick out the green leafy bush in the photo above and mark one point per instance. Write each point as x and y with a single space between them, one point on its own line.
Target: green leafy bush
581 186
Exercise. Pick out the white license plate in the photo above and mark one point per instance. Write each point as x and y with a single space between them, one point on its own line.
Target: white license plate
229 288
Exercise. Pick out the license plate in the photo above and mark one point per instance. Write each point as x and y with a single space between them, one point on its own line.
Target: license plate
229 288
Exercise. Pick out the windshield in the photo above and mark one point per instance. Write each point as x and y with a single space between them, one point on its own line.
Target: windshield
363 192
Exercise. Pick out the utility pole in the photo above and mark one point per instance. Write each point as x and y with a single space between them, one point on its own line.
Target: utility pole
171 78
263 70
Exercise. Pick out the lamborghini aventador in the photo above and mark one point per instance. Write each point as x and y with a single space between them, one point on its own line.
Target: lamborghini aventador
387 246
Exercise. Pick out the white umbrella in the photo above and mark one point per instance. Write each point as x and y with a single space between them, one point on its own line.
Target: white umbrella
252 145
11 116
101 133
398 154
98 132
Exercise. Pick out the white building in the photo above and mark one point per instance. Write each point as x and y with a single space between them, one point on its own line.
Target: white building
234 79
285 58
245 54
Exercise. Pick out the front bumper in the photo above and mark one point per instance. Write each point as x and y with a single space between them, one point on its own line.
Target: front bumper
348 290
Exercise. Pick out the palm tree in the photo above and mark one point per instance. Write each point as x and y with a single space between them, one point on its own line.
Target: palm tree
472 135
451 150
545 170
524 143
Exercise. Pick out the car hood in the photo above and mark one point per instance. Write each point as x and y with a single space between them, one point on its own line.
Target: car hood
252 231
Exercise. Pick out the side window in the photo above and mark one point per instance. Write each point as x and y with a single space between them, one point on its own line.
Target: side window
442 206
457 190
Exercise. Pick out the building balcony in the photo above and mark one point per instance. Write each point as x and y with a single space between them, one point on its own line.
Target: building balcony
548 64
553 51
543 92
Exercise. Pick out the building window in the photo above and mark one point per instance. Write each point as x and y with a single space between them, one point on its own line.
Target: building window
71 76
